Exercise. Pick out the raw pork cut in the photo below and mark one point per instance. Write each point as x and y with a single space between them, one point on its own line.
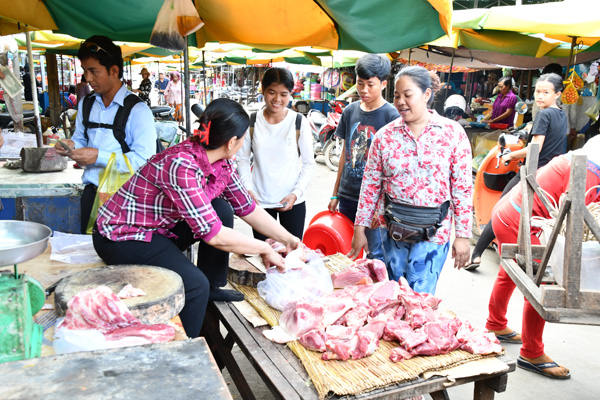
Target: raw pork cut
314 340
129 291
301 317
375 268
349 277
100 309
399 354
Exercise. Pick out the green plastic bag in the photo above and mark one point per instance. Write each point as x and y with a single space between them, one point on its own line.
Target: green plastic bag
110 181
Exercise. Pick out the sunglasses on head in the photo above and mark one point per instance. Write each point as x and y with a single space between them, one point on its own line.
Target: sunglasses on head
94 48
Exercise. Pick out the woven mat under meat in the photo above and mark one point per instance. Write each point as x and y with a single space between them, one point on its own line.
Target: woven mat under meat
353 377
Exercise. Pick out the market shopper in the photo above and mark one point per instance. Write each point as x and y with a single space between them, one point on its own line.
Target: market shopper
94 141
173 95
160 85
358 125
549 130
145 86
82 89
280 142
186 194
503 109
553 179
418 160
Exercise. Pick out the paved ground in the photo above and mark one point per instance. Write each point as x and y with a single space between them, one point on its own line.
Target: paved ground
467 294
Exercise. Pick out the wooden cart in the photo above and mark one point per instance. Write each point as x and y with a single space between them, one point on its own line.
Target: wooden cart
568 303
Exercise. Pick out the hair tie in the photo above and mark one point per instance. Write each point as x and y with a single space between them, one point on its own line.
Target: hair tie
203 132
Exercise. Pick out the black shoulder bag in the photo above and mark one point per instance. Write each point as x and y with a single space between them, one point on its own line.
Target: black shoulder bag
411 224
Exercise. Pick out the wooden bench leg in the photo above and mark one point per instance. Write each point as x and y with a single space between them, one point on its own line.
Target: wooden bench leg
486 388
221 350
440 395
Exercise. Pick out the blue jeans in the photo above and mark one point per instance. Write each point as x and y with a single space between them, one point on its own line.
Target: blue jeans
348 208
420 263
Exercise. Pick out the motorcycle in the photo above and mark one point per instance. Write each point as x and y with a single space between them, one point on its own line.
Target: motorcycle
325 143
493 176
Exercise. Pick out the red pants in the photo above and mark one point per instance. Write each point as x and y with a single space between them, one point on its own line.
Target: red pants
505 221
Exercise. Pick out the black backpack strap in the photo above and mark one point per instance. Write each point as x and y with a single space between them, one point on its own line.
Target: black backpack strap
121 118
88 103
298 126
251 127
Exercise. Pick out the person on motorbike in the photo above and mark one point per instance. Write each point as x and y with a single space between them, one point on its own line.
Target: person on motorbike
549 130
359 123
278 137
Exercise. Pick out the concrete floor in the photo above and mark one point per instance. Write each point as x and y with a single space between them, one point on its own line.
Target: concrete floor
467 294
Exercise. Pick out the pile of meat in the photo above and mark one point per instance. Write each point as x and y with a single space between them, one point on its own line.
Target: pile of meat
100 309
348 323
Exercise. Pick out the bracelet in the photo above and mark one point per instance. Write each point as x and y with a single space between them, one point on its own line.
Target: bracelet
334 198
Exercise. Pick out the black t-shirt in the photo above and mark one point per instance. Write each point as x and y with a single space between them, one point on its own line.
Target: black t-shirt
357 128
551 123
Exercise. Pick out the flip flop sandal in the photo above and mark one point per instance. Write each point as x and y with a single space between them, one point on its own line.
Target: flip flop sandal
540 367
473 266
508 338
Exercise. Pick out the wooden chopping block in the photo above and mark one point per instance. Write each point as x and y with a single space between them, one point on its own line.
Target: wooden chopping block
164 297
42 159
242 272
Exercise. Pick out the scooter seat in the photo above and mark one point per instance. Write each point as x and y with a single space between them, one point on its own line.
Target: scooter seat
318 118
160 109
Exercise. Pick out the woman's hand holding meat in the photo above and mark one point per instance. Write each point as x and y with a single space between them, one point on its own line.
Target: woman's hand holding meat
359 241
461 251
271 258
288 202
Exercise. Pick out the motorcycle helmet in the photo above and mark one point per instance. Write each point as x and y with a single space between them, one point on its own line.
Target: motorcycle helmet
455 107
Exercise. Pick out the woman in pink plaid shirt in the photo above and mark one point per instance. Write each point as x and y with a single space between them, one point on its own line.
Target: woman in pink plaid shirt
186 194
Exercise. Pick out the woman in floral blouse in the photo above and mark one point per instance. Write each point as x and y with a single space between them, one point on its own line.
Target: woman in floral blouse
420 159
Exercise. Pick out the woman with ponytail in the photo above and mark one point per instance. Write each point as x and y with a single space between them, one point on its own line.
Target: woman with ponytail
186 194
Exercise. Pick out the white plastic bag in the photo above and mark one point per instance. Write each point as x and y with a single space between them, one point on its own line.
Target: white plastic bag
590 263
307 283
176 19
73 249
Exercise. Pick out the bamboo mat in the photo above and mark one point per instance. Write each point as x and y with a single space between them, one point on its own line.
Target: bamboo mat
353 377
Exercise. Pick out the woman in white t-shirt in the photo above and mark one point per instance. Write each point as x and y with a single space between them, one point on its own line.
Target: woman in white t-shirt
283 160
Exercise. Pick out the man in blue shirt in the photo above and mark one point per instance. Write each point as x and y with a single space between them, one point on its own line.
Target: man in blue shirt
160 85
102 64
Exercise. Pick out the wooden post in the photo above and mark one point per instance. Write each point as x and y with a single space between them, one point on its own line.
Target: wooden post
529 85
574 232
53 89
524 255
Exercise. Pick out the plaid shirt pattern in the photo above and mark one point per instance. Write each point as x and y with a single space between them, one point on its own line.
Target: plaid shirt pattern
174 185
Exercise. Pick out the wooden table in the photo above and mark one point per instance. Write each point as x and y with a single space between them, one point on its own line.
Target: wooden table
175 370
285 376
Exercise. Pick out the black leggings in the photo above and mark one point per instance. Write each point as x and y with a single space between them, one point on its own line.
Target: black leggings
87 202
292 220
167 253
487 235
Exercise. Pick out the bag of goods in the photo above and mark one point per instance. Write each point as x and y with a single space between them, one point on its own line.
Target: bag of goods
176 19
569 95
577 81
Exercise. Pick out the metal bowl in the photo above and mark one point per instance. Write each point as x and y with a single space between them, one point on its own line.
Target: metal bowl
21 241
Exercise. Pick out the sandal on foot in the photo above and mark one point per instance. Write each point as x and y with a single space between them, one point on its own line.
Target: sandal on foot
540 367
474 265
508 338
217 294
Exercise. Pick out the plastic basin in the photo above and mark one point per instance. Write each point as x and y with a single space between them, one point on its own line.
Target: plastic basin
330 233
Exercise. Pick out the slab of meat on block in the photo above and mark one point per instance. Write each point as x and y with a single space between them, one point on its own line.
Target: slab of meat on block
477 341
301 317
350 276
100 309
335 308
389 291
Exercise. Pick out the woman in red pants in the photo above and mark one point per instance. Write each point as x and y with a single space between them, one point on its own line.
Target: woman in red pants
554 180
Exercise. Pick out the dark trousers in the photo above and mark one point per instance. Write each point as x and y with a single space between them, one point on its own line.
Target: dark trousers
87 202
292 220
167 253
487 235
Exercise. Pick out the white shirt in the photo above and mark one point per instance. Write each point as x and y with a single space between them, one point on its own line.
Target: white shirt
277 170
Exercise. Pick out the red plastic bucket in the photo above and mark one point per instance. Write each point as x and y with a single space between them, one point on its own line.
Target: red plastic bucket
330 233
